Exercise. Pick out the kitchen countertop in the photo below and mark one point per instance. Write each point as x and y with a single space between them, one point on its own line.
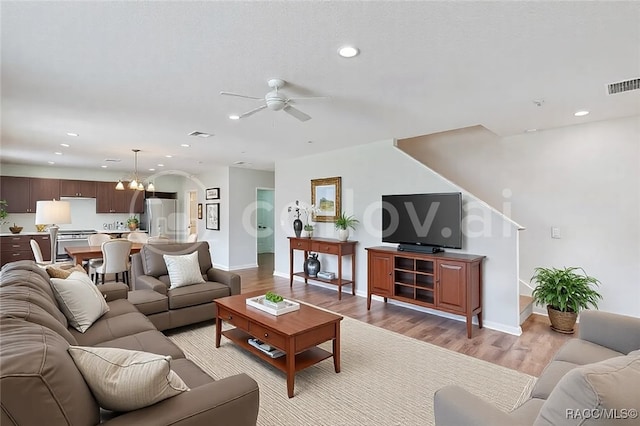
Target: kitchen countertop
99 231
9 234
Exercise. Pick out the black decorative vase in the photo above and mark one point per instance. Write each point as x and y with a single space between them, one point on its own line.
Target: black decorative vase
297 227
312 265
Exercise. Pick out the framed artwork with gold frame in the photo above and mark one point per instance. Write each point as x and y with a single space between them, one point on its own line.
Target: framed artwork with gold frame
325 196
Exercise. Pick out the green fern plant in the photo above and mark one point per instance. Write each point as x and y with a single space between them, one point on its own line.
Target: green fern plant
565 290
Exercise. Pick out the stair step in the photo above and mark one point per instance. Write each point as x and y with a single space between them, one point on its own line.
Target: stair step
526 307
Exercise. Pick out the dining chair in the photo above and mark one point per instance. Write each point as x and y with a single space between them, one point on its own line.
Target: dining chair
115 256
37 255
138 237
96 240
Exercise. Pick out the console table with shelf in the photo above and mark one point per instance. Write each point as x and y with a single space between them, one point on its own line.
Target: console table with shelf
324 246
448 282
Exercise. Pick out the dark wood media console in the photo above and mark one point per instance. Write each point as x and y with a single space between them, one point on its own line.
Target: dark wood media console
448 282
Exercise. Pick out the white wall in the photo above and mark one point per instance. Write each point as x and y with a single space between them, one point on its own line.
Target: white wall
368 172
243 185
583 179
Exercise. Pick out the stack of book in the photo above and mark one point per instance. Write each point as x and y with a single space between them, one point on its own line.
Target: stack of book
265 348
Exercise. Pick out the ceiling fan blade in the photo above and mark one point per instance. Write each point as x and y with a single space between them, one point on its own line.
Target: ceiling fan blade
296 113
253 111
308 98
239 96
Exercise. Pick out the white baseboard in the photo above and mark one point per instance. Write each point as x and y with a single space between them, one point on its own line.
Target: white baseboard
516 331
238 267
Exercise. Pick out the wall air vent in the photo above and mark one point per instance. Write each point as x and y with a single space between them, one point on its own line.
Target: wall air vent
200 134
624 86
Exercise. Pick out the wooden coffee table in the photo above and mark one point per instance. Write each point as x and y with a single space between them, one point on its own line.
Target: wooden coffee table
297 333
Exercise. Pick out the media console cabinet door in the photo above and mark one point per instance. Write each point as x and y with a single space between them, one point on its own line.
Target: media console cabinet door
451 292
380 273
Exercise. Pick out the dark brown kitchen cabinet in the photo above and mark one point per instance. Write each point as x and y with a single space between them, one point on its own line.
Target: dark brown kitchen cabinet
77 188
22 193
110 200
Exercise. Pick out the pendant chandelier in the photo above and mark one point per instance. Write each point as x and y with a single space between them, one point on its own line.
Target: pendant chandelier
135 183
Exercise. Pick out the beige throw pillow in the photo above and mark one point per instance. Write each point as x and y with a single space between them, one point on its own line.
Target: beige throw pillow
79 300
183 270
125 380
59 272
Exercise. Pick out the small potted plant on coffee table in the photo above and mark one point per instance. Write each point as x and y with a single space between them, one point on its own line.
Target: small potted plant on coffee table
565 292
273 300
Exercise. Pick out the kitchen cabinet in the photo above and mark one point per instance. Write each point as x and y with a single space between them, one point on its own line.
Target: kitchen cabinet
77 188
22 193
18 247
110 200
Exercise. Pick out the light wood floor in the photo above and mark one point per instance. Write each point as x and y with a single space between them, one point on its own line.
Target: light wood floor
528 353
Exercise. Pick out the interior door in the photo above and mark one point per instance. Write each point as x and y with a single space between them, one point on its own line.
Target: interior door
192 227
265 219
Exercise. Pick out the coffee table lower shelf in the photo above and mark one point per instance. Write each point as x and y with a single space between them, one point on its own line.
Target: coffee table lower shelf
304 359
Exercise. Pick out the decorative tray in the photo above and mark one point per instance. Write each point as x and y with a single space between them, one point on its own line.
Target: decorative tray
286 306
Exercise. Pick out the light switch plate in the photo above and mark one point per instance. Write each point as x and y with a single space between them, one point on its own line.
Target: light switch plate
555 232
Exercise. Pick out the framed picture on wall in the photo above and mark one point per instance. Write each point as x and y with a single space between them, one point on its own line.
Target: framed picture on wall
213 216
199 210
325 196
212 194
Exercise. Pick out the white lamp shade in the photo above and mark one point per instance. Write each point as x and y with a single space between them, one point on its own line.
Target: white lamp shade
53 212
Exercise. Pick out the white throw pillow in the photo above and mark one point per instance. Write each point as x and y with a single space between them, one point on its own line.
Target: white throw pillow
79 299
183 270
125 380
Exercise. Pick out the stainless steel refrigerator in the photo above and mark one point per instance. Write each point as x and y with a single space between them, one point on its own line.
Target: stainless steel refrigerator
160 217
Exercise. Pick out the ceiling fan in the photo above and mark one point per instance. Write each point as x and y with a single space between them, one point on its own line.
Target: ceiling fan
275 101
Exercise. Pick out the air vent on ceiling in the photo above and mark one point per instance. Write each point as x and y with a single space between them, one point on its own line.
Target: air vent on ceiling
624 86
200 134
112 160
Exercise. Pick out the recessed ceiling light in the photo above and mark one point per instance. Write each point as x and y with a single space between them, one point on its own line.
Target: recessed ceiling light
200 134
57 153
531 130
66 145
104 167
152 170
581 113
72 134
185 145
169 156
51 162
160 165
348 51
234 117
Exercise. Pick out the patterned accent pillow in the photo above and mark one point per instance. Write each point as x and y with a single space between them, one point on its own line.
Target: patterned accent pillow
183 270
126 380
79 300
59 272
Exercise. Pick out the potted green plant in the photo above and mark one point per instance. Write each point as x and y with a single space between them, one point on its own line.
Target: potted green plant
3 212
307 231
133 223
343 223
565 292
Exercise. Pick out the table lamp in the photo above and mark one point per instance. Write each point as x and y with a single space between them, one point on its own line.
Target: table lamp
53 212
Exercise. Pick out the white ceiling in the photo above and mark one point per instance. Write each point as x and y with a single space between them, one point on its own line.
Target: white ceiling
144 74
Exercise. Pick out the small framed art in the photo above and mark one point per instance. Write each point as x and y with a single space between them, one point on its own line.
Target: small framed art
213 216
212 194
325 196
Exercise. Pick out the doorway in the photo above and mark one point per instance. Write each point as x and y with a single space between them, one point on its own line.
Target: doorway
192 226
265 224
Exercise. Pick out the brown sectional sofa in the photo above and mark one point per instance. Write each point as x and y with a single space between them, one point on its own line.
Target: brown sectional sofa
590 378
40 384
170 308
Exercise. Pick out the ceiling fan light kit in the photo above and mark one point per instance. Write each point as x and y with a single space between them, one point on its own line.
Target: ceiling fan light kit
274 100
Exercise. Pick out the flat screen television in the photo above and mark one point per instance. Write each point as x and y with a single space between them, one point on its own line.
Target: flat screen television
433 220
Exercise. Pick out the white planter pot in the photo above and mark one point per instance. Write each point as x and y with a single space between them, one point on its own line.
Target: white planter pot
343 234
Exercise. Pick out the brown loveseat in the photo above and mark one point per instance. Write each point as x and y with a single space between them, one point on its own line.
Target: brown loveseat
171 308
40 383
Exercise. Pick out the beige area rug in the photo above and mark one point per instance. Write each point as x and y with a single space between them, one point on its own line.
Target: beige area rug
386 378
